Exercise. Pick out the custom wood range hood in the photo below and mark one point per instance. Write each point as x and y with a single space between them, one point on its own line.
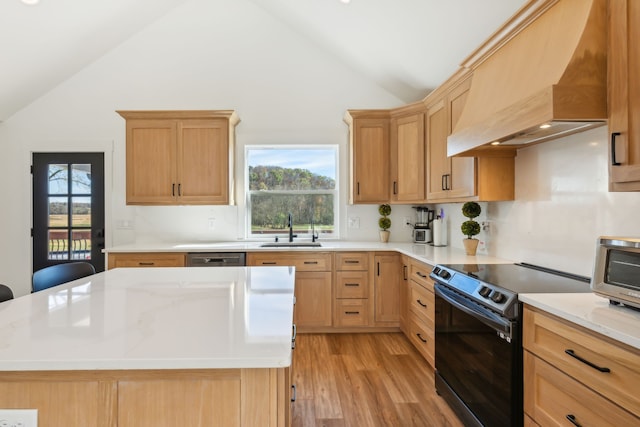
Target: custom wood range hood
546 66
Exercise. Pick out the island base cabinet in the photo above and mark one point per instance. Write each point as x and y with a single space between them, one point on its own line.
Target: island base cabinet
195 398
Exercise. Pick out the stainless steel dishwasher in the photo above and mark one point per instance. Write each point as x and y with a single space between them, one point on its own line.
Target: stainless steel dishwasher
216 259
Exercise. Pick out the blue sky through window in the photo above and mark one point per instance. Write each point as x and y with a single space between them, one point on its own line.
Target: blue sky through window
321 161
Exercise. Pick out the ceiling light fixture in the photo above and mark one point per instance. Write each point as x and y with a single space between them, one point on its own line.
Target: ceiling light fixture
545 126
30 2
495 143
345 1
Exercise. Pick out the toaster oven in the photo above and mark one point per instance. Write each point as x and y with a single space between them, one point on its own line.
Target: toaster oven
616 272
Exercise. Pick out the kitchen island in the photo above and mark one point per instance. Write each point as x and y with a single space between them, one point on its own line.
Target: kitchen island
152 347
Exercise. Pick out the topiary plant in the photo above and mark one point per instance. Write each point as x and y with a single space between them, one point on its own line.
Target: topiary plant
385 222
470 227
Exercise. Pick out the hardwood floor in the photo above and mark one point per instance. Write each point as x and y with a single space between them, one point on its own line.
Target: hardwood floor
364 380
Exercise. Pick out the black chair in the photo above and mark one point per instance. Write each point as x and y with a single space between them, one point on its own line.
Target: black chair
61 273
5 293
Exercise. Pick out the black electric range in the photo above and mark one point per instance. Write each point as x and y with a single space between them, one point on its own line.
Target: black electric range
478 334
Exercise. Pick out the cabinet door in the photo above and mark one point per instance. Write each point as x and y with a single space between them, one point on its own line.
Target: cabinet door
624 95
313 299
203 161
439 163
370 161
462 178
405 294
387 288
408 159
151 165
141 259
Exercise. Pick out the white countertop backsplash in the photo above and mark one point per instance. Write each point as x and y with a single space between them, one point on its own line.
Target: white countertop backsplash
153 318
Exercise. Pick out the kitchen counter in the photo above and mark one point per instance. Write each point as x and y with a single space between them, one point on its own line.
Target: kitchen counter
592 312
141 318
425 253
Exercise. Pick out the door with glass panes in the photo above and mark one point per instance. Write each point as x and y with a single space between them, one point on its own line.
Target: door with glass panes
68 209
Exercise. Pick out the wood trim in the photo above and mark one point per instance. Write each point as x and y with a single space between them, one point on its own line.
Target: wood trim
231 115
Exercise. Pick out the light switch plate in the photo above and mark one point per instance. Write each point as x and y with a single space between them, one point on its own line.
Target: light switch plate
354 222
18 418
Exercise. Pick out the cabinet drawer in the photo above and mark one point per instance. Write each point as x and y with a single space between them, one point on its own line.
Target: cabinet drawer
351 312
352 284
302 262
563 345
146 260
420 273
552 398
422 303
422 338
352 261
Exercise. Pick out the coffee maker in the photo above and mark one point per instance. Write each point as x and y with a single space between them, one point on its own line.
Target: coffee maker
422 227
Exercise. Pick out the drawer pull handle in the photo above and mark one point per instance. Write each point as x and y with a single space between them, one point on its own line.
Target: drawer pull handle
424 276
614 162
311 262
420 302
293 338
268 263
572 420
351 261
420 336
352 284
293 394
586 362
146 264
351 312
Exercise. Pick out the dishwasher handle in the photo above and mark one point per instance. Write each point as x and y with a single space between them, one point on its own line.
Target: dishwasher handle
230 259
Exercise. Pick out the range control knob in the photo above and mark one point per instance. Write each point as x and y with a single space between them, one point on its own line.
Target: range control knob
436 270
485 291
444 274
497 297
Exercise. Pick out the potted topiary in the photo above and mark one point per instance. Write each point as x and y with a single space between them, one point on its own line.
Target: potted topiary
470 227
384 222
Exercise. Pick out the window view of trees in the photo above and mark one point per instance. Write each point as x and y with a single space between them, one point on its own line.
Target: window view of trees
276 191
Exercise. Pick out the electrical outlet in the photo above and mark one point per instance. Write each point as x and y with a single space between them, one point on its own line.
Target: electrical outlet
18 418
354 222
211 223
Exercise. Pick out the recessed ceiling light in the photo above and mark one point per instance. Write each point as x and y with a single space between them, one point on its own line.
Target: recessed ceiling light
345 1
545 126
30 2
495 143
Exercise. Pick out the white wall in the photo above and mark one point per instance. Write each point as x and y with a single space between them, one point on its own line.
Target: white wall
206 54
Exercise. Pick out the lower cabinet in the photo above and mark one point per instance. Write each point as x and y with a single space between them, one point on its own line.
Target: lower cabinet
573 376
351 283
146 259
387 280
314 297
421 312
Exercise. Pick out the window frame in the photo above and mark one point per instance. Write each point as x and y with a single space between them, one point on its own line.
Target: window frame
335 192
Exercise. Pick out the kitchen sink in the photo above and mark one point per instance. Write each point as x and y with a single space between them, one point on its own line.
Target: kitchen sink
291 245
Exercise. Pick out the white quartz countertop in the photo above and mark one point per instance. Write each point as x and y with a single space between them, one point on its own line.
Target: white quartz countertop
422 252
592 312
153 318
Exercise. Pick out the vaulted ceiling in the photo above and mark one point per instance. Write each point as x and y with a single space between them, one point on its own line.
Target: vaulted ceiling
408 47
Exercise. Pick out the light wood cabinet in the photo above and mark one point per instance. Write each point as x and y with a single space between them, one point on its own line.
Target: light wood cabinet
369 151
624 95
461 178
421 310
179 157
387 287
405 295
351 303
573 373
314 296
407 160
387 155
139 259
151 398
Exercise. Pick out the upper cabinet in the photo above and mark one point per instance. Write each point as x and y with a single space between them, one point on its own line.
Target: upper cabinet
624 95
488 178
408 172
387 157
179 157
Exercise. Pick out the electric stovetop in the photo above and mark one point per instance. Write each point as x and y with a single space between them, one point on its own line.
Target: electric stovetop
524 278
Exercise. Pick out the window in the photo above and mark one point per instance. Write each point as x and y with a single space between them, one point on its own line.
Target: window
296 180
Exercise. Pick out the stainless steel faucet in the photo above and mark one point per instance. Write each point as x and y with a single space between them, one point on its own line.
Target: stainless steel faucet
291 235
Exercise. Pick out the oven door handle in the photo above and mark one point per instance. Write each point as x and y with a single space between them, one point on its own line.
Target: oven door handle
487 317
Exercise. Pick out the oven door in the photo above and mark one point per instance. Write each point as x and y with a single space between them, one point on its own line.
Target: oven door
478 361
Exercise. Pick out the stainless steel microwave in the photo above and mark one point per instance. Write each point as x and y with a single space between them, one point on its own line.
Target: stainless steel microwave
616 273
